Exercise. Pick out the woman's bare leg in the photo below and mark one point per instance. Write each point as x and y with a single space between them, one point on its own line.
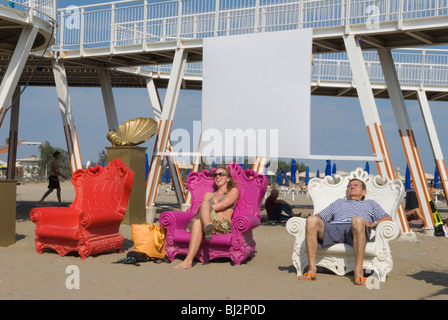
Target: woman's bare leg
193 247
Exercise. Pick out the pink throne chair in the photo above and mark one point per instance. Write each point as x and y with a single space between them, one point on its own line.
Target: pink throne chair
90 225
237 245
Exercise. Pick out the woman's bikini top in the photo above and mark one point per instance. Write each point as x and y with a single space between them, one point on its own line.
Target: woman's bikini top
212 202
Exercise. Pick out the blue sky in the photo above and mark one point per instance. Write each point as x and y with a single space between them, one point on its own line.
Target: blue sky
337 124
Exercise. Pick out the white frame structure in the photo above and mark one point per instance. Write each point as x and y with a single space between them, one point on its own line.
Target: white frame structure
175 28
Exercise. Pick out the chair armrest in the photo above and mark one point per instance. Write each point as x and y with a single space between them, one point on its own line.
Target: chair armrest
175 220
244 222
296 226
386 231
98 218
56 216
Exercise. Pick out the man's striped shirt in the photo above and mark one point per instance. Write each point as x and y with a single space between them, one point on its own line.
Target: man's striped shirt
344 210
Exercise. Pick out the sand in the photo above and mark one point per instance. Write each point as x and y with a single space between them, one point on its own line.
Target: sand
419 273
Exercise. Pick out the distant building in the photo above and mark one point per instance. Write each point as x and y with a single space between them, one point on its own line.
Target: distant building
32 161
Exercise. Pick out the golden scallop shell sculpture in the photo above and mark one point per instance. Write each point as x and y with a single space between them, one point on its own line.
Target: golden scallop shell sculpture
133 132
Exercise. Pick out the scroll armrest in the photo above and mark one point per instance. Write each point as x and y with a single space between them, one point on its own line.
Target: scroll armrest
55 216
386 231
175 220
99 218
244 223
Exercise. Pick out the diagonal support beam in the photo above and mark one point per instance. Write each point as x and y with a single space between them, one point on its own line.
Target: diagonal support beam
433 139
165 124
371 117
68 120
108 98
172 162
406 134
15 68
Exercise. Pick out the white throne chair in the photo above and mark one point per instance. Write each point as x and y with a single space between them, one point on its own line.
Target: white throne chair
340 258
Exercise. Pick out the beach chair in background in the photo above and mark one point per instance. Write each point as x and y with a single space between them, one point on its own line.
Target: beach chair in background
340 258
90 225
237 245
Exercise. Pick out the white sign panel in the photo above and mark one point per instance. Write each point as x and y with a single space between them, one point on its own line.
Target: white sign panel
256 95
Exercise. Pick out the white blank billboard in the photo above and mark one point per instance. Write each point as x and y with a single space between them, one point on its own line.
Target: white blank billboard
256 95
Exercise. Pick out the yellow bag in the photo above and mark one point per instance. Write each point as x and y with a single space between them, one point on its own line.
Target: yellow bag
150 239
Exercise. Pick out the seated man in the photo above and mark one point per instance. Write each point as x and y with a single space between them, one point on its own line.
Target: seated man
275 207
347 220
412 207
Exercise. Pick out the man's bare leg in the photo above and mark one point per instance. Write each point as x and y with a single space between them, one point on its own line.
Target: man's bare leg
359 248
314 232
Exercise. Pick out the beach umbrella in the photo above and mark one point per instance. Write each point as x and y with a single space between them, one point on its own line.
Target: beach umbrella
284 176
279 178
307 175
367 168
167 175
407 179
217 162
333 171
328 168
436 178
240 161
266 170
293 171
318 174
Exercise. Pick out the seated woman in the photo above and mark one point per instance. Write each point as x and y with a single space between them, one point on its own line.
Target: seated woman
214 216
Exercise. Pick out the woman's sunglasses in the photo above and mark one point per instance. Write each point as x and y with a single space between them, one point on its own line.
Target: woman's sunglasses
219 174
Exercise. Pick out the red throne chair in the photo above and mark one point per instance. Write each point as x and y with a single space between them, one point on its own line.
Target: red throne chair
237 245
91 223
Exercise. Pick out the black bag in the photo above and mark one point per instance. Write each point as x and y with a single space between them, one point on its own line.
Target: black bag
134 257
438 231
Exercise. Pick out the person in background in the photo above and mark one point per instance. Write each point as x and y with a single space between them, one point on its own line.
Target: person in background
53 179
275 207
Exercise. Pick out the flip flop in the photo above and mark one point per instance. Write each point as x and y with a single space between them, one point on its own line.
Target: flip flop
360 281
308 276
208 228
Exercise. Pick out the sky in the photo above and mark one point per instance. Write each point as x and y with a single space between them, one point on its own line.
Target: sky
337 123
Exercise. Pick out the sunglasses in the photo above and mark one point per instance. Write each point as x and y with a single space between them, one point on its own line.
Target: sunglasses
219 174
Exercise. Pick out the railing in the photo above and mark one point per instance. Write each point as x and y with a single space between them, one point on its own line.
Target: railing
414 67
141 21
418 67
44 9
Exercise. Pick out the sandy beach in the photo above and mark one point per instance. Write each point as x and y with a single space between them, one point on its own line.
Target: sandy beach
419 273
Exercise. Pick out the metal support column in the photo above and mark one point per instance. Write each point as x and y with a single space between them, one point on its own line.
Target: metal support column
406 134
371 116
172 162
68 121
165 123
108 98
433 139
13 135
15 68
